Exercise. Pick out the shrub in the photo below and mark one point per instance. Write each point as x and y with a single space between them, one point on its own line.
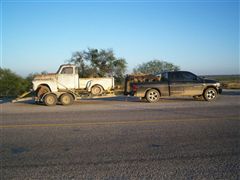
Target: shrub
12 84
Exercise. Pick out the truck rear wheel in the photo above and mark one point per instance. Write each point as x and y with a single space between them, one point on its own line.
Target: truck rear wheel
97 90
66 99
153 96
50 100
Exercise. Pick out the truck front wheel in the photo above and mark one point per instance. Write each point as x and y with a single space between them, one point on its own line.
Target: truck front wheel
66 99
152 96
50 100
210 94
42 90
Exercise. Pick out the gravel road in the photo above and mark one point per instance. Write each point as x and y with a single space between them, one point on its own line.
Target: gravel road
122 138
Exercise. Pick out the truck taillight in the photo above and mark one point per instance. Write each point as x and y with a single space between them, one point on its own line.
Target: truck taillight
134 87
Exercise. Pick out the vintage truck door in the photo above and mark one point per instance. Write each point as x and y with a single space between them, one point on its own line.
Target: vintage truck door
67 78
176 84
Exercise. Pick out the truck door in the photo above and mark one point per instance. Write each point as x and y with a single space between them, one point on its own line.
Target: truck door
67 78
176 84
193 85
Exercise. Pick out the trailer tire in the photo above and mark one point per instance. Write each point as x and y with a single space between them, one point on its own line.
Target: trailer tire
66 99
97 90
50 99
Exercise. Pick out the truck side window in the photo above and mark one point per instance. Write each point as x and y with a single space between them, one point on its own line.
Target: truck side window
176 76
164 76
189 77
67 70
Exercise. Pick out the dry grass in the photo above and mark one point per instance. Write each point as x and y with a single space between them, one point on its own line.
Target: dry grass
231 85
228 81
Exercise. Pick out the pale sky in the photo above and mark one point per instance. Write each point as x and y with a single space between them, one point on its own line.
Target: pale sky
198 36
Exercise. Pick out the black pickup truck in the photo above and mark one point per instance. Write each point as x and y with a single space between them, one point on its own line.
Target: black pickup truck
174 83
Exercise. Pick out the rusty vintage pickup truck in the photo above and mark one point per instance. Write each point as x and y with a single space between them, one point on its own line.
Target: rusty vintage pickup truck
173 83
65 86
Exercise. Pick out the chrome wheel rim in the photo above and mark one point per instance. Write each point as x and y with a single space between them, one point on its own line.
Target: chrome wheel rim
153 95
211 94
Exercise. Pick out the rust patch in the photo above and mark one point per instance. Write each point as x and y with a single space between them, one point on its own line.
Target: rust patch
45 76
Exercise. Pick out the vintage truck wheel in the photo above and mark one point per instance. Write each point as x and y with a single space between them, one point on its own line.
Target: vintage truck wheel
153 96
66 99
210 94
42 90
50 100
97 90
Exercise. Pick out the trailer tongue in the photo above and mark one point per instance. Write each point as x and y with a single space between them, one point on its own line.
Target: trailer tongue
23 96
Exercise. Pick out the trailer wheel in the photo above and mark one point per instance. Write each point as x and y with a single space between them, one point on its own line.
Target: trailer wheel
50 100
66 99
97 90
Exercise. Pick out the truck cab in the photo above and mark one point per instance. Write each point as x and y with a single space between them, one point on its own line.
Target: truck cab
67 76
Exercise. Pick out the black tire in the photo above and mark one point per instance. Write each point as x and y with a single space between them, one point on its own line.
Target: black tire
66 99
97 90
152 96
210 94
42 90
50 100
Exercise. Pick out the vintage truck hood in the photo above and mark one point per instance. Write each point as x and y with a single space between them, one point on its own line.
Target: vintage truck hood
49 76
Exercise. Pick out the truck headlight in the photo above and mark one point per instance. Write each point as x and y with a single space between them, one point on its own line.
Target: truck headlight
218 84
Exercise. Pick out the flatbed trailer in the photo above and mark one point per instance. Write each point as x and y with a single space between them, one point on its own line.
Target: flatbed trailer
25 96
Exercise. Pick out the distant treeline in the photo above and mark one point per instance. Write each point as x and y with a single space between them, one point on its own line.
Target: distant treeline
228 81
234 77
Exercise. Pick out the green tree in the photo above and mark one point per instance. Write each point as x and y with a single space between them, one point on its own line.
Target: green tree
11 84
30 78
79 59
99 63
154 67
